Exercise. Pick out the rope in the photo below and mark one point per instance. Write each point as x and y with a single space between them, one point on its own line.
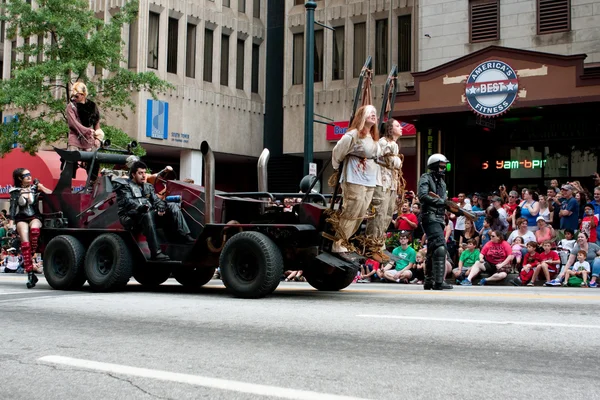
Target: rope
333 218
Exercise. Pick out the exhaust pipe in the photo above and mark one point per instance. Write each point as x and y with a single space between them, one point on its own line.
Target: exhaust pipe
263 160
263 182
208 163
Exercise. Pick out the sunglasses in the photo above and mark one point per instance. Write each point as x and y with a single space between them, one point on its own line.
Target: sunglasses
28 175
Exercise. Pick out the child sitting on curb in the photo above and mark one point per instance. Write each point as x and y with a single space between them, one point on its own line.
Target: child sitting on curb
579 268
530 262
467 258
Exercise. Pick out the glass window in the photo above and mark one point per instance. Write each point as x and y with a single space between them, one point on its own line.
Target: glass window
239 70
319 39
226 3
298 59
208 55
173 30
242 6
255 65
584 163
381 47
190 51
360 48
404 43
133 44
338 53
224 60
153 25
256 9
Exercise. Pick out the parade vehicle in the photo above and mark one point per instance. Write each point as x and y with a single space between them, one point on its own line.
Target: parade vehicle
247 235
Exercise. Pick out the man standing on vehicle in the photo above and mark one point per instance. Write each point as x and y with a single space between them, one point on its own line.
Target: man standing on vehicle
432 195
139 206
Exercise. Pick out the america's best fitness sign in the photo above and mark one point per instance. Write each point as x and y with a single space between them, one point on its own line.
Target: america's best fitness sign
492 88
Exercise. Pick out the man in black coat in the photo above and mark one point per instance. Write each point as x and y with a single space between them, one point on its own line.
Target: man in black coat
139 207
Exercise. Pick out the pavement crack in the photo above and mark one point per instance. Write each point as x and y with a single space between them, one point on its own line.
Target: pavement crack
137 386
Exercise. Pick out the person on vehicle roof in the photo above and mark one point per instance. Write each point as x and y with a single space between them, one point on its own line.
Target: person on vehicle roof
139 207
25 212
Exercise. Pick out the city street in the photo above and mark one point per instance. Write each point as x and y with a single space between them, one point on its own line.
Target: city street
370 341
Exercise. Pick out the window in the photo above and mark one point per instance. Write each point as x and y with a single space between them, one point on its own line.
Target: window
208 55
242 6
381 47
404 43
226 3
553 16
239 70
298 2
360 48
319 39
153 25
13 57
298 59
173 29
255 65
224 60
133 44
484 17
338 53
256 9
190 51
40 49
26 51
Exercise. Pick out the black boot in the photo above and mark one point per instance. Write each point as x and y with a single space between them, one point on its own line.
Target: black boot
428 283
31 279
149 230
439 269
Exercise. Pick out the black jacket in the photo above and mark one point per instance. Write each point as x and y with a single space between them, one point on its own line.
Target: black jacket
432 208
134 200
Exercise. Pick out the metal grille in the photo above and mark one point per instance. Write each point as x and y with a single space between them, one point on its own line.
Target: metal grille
553 16
485 20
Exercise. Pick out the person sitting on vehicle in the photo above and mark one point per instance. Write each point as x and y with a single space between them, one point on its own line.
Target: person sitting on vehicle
139 206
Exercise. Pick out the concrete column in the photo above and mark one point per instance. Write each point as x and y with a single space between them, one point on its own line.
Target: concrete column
191 165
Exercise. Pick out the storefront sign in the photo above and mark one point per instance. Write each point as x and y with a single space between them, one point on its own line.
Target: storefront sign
514 164
492 88
336 131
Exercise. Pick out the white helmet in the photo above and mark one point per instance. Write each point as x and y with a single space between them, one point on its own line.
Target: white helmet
434 160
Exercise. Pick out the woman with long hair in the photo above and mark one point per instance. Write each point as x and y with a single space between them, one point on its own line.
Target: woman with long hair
83 117
386 191
357 150
24 211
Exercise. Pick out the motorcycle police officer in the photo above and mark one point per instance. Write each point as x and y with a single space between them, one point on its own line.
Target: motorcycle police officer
432 195
139 206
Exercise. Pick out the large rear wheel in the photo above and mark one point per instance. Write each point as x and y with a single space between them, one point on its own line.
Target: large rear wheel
108 263
63 263
336 280
193 278
251 265
152 275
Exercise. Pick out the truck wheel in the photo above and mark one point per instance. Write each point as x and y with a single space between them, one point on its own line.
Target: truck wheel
333 282
63 263
251 265
152 275
193 278
108 263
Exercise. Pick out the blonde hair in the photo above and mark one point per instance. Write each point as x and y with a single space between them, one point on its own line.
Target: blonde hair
360 118
79 88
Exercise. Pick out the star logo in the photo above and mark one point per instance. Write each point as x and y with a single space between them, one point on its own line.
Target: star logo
472 90
510 87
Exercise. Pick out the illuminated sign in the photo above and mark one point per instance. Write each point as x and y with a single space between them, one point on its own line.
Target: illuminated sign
491 88
514 164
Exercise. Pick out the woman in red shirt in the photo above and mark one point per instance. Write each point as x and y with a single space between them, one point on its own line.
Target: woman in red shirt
494 259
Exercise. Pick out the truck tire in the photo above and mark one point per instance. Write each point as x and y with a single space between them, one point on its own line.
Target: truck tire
193 278
63 263
333 282
251 265
152 275
108 263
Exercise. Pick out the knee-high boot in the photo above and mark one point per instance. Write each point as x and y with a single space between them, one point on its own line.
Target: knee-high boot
28 264
428 284
34 235
439 269
149 230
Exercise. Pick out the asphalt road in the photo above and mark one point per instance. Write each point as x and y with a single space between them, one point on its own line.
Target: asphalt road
371 341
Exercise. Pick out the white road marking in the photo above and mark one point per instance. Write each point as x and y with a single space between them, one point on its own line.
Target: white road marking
214 383
4 294
22 299
480 321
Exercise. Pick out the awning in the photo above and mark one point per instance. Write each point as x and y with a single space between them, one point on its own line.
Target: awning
44 165
408 129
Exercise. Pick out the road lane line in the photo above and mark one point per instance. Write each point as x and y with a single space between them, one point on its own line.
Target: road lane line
214 383
23 292
19 300
480 321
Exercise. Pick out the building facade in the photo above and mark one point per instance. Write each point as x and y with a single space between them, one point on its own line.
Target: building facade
213 52
521 75
382 29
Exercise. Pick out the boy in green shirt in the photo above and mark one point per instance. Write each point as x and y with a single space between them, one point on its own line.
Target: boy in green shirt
406 258
466 261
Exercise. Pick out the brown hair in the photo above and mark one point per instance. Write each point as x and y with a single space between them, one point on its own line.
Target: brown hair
582 252
388 128
533 244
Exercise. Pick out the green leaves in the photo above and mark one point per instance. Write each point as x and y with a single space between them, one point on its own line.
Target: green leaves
65 42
